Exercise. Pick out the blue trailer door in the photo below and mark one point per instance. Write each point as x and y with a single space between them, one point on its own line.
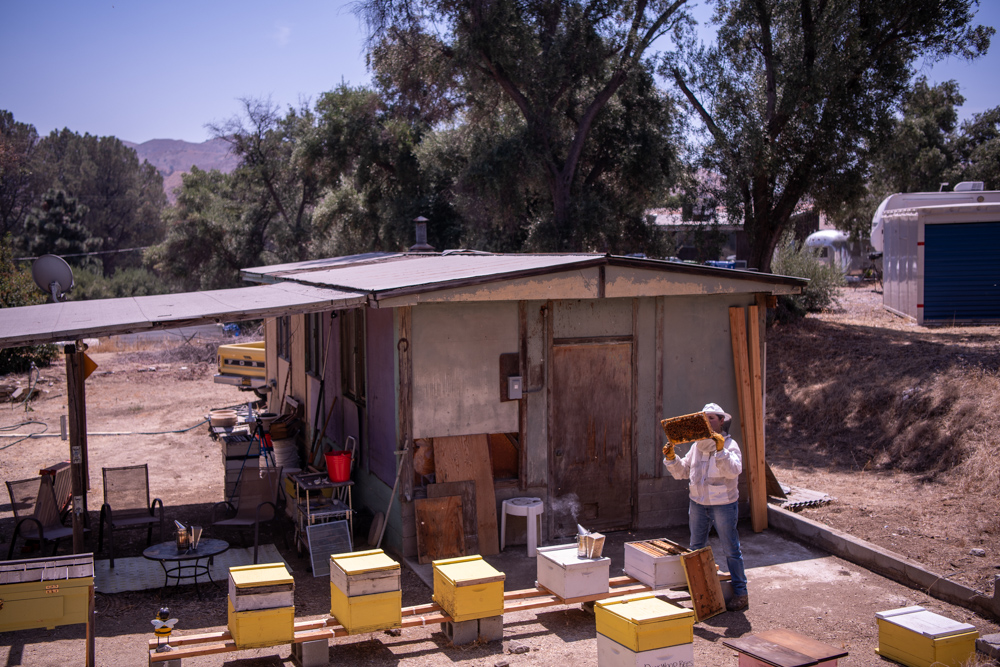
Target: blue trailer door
961 272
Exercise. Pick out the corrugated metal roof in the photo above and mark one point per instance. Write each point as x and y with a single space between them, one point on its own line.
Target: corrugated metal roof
416 272
70 320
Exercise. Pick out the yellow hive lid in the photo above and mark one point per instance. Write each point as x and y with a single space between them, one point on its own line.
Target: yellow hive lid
364 561
645 609
468 569
264 574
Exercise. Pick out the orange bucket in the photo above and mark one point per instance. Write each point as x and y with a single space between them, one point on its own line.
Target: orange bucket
338 466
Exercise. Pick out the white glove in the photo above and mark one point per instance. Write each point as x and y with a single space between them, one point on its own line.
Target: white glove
706 447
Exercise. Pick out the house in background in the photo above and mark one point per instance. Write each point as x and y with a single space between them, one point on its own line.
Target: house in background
422 347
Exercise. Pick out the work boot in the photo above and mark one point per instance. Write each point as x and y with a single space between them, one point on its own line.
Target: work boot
738 602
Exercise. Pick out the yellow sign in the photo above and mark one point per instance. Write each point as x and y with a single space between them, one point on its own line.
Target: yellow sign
89 366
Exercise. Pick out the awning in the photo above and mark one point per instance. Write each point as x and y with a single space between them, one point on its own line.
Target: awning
73 320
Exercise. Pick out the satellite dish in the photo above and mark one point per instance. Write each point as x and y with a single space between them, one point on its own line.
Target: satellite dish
52 275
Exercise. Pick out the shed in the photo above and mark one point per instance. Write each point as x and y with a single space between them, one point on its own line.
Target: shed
604 347
940 263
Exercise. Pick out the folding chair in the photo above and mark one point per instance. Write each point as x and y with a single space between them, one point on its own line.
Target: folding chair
256 503
126 505
36 513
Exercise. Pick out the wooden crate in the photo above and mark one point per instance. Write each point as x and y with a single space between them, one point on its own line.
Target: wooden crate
366 613
263 586
919 638
648 563
45 592
261 628
612 654
644 623
567 575
468 588
364 573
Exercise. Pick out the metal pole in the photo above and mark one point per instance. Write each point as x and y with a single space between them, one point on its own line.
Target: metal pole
77 439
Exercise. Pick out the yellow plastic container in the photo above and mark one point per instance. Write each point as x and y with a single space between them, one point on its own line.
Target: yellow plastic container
364 573
644 623
261 628
366 613
919 638
468 588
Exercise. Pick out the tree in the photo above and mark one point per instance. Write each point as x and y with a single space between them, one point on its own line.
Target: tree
18 289
978 148
56 228
19 185
558 63
796 96
124 198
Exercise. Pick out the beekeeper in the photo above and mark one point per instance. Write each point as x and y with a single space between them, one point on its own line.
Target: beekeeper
713 467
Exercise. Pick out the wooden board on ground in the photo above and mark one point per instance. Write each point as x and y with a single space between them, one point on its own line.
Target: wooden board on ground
703 583
470 521
439 528
464 457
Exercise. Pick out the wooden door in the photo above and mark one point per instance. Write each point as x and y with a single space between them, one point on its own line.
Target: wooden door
590 437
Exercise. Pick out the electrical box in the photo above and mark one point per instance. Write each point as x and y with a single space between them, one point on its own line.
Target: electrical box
514 389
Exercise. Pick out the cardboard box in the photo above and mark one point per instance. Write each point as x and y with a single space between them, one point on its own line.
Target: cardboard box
261 628
468 588
45 592
263 586
919 638
567 575
366 613
644 622
364 573
612 654
643 562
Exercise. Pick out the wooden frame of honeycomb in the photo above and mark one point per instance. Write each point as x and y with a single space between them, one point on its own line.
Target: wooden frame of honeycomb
686 428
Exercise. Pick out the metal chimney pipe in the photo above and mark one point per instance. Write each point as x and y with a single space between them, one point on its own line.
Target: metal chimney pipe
421 233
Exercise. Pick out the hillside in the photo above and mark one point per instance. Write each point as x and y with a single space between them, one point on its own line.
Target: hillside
173 157
898 423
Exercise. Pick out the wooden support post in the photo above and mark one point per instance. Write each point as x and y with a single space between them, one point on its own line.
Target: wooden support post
91 654
77 403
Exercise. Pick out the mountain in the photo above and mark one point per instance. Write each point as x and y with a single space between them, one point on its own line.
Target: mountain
173 157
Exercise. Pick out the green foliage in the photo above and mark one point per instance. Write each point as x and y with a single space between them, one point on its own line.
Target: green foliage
18 289
978 149
56 228
126 282
795 259
19 185
795 96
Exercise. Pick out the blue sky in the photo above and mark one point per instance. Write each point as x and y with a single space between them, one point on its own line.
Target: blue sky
150 69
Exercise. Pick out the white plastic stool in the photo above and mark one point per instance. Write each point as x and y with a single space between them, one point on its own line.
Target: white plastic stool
531 508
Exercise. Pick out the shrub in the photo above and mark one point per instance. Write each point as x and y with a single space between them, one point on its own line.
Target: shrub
795 259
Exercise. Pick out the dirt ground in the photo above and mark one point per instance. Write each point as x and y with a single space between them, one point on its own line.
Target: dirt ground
156 397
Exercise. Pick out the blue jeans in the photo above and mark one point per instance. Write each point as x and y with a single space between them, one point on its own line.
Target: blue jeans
724 517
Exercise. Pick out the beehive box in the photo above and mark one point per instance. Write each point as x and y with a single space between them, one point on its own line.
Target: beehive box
261 628
563 572
653 563
644 622
366 613
45 592
364 573
919 638
264 586
468 588
612 654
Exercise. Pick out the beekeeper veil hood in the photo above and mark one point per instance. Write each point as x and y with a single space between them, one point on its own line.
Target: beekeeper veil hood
715 409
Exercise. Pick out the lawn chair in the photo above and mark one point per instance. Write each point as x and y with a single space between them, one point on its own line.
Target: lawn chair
36 513
126 505
256 503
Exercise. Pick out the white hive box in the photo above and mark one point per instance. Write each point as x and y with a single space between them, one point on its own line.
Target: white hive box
651 563
264 586
612 654
364 573
567 575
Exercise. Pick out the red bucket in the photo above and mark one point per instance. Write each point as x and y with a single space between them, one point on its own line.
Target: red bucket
338 466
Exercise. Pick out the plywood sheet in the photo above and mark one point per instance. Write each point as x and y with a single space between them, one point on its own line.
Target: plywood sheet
467 457
470 520
703 583
439 528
